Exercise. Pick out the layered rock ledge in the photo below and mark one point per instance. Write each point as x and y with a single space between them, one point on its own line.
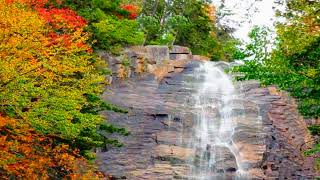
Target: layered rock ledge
157 60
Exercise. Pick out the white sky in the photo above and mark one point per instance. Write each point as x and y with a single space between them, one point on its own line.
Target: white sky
246 14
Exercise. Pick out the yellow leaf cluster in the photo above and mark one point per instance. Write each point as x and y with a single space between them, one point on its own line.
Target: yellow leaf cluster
22 40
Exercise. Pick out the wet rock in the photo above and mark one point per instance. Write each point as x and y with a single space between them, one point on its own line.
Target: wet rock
226 161
222 64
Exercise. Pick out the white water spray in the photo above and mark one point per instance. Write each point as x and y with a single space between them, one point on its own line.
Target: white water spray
214 127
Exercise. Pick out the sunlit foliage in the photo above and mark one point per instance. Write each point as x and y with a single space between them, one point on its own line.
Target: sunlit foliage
50 83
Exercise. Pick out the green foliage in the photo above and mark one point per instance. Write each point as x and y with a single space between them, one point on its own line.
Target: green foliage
288 72
301 28
315 150
294 64
258 48
111 129
199 35
315 130
182 22
95 10
109 24
177 24
95 105
112 32
187 23
166 39
174 25
149 24
227 48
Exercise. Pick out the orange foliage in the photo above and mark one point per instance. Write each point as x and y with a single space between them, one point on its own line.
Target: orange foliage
63 19
312 25
29 46
27 154
31 51
21 36
211 11
33 3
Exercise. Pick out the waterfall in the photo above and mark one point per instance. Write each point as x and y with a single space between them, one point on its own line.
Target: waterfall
215 157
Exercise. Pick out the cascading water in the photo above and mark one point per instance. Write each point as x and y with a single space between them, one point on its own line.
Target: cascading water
211 140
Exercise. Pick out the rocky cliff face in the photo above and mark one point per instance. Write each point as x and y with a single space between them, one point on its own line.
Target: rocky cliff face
157 60
287 139
268 138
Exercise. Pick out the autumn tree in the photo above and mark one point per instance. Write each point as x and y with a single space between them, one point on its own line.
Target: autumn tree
49 76
24 153
50 87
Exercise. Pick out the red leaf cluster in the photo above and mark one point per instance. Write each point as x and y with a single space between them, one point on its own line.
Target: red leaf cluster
62 18
132 9
55 39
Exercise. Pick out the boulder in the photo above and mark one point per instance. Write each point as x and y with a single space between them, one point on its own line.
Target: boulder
158 53
111 60
180 56
180 50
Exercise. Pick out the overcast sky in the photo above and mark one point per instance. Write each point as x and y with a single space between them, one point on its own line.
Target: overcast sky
246 14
